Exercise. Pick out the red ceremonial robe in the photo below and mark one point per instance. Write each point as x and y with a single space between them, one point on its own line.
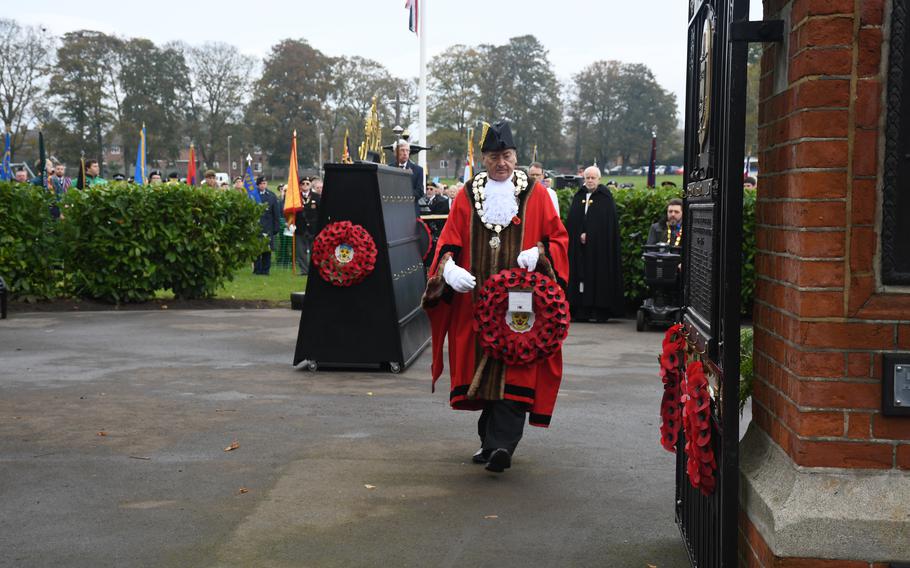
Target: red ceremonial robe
465 240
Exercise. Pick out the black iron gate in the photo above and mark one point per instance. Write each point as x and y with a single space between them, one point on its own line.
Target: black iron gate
719 32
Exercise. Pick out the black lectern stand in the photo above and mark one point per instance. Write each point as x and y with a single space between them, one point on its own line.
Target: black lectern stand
378 321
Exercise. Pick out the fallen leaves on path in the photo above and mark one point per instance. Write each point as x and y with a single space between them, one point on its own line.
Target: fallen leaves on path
140 458
243 490
368 486
234 445
491 516
101 433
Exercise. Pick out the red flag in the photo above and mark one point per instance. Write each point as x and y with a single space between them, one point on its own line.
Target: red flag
191 167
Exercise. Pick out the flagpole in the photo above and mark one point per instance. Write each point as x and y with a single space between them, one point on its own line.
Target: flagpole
422 35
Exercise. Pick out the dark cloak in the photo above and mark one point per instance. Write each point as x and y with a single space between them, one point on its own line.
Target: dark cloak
596 263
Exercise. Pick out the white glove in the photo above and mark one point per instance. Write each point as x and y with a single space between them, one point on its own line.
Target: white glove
293 228
528 259
458 278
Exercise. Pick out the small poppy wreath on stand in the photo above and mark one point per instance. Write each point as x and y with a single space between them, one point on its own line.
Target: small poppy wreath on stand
521 338
700 463
672 364
344 253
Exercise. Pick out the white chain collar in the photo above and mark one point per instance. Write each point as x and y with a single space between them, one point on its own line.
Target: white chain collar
478 185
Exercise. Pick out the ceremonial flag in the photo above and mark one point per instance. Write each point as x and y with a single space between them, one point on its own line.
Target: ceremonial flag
6 173
42 158
534 154
411 6
292 202
139 174
191 166
345 152
80 180
652 166
469 159
249 183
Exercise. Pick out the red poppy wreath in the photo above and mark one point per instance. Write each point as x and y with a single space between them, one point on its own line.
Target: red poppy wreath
521 337
344 253
672 363
696 399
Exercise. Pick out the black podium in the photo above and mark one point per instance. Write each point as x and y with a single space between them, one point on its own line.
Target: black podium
378 322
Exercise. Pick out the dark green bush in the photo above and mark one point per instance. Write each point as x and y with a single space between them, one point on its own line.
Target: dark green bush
638 209
27 241
123 242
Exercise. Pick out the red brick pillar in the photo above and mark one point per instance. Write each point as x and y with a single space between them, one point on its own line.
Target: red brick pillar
823 469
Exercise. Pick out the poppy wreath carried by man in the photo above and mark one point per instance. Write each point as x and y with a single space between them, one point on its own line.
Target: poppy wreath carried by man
345 253
519 337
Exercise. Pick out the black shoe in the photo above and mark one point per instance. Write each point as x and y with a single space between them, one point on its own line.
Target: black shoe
481 456
500 460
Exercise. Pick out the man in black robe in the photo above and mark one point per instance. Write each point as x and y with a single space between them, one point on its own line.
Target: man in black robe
595 270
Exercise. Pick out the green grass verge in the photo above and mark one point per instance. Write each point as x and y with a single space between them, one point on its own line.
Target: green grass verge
276 287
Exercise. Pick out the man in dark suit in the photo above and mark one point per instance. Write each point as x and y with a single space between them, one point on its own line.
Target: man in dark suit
402 155
305 222
270 221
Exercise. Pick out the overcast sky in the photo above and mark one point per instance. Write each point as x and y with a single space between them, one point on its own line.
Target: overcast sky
576 32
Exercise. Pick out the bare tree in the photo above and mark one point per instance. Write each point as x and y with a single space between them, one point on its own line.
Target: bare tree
25 55
218 81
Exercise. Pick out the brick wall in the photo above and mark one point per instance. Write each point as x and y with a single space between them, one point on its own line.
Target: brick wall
821 323
821 319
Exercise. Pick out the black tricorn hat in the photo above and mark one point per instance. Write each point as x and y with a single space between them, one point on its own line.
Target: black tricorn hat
496 138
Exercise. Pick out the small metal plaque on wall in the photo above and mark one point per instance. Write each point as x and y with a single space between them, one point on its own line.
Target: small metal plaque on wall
896 384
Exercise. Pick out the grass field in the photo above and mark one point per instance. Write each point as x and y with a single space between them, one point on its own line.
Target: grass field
276 287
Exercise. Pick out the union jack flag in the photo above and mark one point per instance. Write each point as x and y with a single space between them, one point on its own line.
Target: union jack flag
411 5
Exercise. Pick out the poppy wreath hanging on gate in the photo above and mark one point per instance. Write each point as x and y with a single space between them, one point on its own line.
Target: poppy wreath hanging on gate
672 365
700 463
344 253
521 338
686 406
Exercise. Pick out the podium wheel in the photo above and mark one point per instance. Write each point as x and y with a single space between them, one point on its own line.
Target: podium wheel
395 367
312 366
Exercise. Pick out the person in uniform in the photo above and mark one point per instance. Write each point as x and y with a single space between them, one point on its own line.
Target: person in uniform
402 155
501 220
595 269
305 222
270 222
669 230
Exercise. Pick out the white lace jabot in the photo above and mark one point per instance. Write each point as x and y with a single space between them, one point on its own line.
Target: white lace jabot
500 204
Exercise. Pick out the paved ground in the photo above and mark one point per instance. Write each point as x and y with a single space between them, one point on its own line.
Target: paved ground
342 468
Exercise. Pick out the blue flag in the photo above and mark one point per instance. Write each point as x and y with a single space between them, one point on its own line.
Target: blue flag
139 175
250 185
6 173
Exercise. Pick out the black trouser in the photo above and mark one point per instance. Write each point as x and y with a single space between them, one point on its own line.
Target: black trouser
501 424
263 262
304 244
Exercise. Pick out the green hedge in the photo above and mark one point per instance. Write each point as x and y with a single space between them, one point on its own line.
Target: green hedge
638 209
123 242
27 241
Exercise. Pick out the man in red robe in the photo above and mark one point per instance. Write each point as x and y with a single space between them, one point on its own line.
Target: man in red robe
499 221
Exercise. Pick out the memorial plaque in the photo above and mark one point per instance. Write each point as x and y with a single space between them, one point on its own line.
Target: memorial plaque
701 263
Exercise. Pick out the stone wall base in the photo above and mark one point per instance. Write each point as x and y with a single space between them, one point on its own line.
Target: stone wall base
799 517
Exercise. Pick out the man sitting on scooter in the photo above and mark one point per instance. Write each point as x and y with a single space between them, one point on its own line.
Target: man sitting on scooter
668 231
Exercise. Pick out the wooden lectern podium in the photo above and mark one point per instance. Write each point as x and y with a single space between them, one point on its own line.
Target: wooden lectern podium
378 322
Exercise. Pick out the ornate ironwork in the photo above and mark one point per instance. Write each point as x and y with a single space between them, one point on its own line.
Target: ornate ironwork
895 208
